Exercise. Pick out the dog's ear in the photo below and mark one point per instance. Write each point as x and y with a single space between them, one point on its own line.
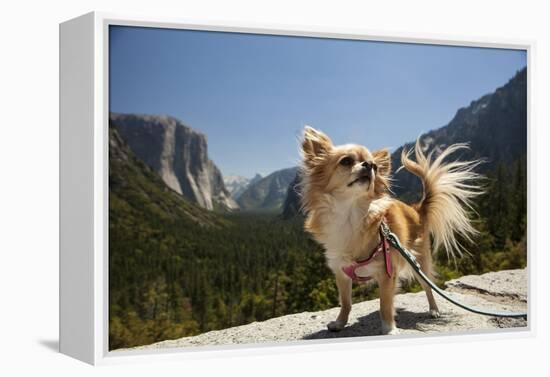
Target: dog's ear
382 158
315 145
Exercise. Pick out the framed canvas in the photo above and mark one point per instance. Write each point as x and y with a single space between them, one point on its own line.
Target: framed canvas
236 189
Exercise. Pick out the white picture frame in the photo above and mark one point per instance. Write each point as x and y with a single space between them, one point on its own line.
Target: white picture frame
84 187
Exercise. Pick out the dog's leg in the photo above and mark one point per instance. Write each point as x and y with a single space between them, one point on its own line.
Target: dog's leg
387 312
425 261
343 283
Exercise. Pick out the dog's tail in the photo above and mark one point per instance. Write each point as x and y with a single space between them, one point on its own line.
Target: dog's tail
449 188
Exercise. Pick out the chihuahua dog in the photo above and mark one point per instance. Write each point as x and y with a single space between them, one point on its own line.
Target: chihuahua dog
346 197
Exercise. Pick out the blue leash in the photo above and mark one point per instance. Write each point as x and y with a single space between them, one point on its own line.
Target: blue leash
411 259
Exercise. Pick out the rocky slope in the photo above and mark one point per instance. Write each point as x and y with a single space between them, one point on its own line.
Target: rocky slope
292 203
178 154
495 126
498 291
135 192
269 193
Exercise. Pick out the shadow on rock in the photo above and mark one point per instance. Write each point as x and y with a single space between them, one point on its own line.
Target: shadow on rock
416 321
370 324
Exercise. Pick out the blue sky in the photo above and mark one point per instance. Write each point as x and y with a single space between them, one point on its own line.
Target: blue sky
252 94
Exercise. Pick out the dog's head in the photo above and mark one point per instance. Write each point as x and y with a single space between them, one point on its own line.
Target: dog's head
344 171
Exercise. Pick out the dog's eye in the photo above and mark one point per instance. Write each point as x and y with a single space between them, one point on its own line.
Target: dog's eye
347 161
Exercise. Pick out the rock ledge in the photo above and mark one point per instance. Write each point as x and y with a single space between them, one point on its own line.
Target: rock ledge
496 291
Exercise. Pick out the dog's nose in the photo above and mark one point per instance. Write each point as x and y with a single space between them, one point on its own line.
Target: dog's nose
367 165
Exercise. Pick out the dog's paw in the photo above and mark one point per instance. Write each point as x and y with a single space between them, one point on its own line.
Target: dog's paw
435 313
336 325
389 329
394 331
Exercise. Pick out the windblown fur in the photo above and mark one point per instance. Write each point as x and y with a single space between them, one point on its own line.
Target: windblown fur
448 192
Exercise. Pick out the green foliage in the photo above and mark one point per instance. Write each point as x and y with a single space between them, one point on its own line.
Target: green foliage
502 226
258 268
324 295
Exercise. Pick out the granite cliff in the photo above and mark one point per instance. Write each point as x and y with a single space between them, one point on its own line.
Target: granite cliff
178 154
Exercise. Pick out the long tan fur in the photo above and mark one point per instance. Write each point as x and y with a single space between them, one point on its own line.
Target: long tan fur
448 192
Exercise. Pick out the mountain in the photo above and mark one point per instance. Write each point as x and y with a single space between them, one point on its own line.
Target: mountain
178 154
237 184
291 205
268 193
495 126
137 192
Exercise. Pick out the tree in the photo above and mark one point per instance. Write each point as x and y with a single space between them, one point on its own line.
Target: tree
518 216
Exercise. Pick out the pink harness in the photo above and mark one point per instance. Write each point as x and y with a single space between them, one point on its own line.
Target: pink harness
383 247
